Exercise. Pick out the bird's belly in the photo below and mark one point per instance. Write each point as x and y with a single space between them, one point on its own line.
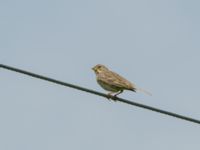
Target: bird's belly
108 87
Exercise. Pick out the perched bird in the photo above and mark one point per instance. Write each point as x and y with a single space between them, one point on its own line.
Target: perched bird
113 82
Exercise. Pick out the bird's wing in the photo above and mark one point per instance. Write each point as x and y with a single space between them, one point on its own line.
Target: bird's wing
116 80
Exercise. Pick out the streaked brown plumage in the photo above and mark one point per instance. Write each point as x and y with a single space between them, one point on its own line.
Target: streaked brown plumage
113 82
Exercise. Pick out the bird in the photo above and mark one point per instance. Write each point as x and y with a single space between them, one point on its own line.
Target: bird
113 82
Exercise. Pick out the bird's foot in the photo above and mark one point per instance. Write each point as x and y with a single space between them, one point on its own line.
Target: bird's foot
112 97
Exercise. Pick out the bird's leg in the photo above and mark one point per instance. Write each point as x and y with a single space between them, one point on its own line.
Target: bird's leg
110 96
118 93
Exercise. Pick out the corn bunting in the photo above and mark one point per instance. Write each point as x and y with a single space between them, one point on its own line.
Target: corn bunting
113 82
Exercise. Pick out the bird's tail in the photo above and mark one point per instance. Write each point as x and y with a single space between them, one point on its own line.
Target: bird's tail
141 90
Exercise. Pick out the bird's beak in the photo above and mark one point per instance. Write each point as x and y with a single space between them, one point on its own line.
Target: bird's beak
93 68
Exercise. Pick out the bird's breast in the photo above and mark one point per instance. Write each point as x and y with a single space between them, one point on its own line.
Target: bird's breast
108 87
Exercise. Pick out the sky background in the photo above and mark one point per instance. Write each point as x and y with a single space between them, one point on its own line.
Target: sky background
155 44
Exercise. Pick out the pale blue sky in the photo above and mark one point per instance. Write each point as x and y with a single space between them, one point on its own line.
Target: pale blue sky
154 44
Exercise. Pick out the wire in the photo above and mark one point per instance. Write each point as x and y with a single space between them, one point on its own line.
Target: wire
100 94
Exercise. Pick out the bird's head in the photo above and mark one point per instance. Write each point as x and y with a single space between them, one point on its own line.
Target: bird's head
99 68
